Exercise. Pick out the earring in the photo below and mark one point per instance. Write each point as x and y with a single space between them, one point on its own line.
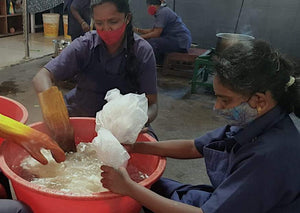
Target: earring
258 109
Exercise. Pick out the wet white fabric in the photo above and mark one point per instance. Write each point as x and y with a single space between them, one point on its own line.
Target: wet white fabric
123 115
109 150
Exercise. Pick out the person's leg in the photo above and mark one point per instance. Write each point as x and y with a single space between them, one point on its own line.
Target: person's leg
13 206
184 193
5 184
165 187
161 46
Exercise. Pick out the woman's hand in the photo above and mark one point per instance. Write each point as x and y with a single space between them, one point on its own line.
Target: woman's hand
37 140
85 27
129 147
30 139
135 29
117 181
144 130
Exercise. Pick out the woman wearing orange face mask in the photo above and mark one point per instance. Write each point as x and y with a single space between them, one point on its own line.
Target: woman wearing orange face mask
169 33
111 56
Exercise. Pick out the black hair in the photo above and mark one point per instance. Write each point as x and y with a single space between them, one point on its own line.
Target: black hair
153 2
131 62
254 66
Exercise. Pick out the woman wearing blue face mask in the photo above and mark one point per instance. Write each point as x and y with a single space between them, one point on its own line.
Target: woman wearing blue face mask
253 162
168 34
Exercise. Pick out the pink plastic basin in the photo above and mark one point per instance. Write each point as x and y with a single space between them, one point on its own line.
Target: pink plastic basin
13 109
43 200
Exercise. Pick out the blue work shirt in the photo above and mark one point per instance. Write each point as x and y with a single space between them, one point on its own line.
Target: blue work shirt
98 72
83 7
173 27
262 170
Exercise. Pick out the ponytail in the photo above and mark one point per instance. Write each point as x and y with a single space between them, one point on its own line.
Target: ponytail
293 95
131 64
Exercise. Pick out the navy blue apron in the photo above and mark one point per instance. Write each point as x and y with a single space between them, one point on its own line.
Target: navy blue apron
216 160
98 78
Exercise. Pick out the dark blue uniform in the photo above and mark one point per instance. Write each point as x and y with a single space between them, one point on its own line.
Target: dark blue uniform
84 9
175 36
255 169
98 72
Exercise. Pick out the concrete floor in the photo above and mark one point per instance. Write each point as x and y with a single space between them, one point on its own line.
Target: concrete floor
12 48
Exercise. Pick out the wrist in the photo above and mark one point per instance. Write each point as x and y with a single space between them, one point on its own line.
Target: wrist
83 23
138 147
137 30
131 187
133 147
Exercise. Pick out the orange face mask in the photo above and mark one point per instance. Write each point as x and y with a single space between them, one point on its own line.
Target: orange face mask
112 37
152 10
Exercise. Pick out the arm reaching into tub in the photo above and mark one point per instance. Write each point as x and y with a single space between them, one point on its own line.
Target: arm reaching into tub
30 139
179 149
118 181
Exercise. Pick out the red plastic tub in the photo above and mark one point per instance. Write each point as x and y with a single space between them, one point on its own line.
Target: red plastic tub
43 200
13 109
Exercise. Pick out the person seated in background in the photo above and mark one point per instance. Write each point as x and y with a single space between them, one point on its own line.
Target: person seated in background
253 161
79 17
110 57
169 33
32 141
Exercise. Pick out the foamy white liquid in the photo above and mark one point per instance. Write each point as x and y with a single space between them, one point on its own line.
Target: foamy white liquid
80 173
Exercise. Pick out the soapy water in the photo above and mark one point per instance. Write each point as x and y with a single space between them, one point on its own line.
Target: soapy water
79 174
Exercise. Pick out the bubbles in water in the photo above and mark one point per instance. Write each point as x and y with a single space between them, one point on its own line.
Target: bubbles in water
79 174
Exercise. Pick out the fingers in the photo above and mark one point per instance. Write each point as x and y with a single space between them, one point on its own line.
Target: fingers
47 143
58 155
144 130
105 168
40 158
106 177
128 147
115 180
85 26
36 154
110 173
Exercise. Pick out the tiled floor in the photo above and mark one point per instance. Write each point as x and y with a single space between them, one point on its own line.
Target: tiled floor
12 48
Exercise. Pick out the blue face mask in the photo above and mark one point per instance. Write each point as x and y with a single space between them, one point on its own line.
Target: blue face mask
240 115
